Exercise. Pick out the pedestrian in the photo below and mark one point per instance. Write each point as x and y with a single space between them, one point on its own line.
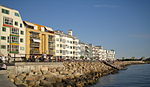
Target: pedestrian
3 59
9 56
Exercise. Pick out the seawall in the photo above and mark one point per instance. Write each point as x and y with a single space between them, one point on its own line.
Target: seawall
64 74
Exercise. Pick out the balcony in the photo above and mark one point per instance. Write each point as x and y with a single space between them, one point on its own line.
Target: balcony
34 51
34 45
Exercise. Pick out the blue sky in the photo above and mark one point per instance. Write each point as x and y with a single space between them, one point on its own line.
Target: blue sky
122 25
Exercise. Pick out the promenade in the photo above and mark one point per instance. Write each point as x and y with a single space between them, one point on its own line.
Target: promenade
4 82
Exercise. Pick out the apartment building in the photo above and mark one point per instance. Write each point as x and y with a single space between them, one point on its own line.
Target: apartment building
66 46
12 32
39 40
99 53
111 54
86 51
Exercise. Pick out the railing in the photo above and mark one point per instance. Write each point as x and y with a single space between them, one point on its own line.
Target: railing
34 45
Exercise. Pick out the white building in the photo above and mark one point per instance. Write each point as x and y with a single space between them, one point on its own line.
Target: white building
66 46
12 32
99 53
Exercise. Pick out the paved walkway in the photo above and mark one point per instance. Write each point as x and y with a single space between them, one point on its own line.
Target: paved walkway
4 82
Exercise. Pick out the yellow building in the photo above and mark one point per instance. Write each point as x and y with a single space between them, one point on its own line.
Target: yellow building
39 40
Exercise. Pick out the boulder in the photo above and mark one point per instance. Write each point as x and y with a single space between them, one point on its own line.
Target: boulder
46 83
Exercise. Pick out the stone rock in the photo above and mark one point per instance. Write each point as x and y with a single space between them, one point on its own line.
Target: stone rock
45 83
44 70
17 81
12 76
30 82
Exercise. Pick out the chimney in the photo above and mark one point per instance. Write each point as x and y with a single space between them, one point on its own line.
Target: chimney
70 32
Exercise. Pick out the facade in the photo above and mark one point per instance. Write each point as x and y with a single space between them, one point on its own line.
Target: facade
66 46
12 32
86 51
24 39
39 40
102 54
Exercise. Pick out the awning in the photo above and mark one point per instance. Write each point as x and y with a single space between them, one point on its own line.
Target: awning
48 28
37 40
31 24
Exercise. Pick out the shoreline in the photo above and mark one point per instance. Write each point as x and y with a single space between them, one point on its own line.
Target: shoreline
72 74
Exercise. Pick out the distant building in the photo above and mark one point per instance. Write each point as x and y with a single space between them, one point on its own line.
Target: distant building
66 46
86 51
39 40
12 32
99 53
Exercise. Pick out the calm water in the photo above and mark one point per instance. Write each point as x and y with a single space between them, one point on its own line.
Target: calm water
134 76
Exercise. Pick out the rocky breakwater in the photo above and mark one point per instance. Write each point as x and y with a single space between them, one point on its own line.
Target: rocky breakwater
72 74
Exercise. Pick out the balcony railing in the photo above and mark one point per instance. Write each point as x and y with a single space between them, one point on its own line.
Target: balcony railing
34 45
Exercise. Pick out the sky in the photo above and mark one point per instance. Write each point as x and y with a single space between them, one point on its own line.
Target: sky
122 25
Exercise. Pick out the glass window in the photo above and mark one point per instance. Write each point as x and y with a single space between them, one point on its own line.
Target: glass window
5 11
13 48
4 29
8 21
16 23
8 40
3 46
20 25
14 31
3 37
21 39
60 51
60 45
21 48
22 32
14 39
57 39
17 14
57 45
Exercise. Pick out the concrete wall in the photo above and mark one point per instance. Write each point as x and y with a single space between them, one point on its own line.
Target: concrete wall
28 67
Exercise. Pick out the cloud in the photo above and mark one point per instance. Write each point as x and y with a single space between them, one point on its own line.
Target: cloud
140 36
105 6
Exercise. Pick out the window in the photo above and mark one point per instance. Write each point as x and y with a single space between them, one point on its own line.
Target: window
17 14
5 11
57 51
60 45
57 39
14 39
60 51
22 32
3 37
3 47
20 25
21 48
16 23
8 39
8 21
70 47
21 39
15 31
57 45
4 29
13 48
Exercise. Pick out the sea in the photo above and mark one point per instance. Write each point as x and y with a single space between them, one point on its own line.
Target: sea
134 76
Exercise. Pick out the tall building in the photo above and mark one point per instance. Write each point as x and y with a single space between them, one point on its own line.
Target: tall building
39 40
66 46
12 32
